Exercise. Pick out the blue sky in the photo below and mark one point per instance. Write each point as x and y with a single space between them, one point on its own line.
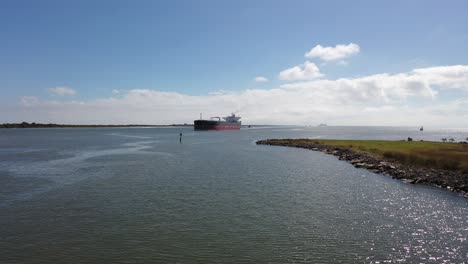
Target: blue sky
196 48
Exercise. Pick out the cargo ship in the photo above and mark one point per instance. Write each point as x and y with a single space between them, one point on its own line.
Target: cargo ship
215 123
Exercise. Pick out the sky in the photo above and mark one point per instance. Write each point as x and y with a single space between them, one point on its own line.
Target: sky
395 63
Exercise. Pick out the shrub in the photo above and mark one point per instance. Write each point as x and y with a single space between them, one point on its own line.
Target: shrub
448 164
395 156
414 159
464 168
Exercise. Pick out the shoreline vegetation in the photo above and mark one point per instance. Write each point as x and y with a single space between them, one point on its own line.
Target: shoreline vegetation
50 125
417 162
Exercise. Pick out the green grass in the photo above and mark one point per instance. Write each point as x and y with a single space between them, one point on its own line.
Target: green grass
450 156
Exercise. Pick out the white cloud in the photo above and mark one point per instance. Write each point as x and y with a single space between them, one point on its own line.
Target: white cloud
115 91
62 91
381 99
374 88
307 71
447 76
419 83
339 52
261 79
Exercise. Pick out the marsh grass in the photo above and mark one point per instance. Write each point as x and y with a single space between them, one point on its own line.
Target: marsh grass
448 156
443 155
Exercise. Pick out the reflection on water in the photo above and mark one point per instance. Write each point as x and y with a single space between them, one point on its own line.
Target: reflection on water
137 195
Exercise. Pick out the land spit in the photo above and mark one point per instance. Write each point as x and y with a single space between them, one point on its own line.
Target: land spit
51 125
453 180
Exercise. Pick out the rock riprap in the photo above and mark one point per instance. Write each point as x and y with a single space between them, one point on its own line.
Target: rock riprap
452 180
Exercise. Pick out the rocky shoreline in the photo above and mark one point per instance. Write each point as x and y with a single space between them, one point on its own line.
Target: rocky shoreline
451 180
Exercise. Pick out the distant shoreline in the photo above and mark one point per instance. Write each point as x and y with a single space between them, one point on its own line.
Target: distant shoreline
430 163
51 125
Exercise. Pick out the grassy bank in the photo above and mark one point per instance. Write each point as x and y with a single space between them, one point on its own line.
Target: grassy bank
440 155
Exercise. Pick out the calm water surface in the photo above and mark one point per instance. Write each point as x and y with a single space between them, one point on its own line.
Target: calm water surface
135 195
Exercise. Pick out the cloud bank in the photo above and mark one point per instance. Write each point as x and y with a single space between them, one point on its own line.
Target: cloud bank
410 98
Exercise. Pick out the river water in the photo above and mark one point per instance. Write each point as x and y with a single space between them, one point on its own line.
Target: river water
136 195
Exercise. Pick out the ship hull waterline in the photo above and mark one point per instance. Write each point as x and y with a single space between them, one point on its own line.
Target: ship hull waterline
201 125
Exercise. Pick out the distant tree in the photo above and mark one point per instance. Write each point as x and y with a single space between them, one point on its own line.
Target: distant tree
410 139
444 139
452 140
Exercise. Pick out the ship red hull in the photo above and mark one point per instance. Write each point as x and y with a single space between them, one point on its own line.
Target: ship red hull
227 127
216 125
